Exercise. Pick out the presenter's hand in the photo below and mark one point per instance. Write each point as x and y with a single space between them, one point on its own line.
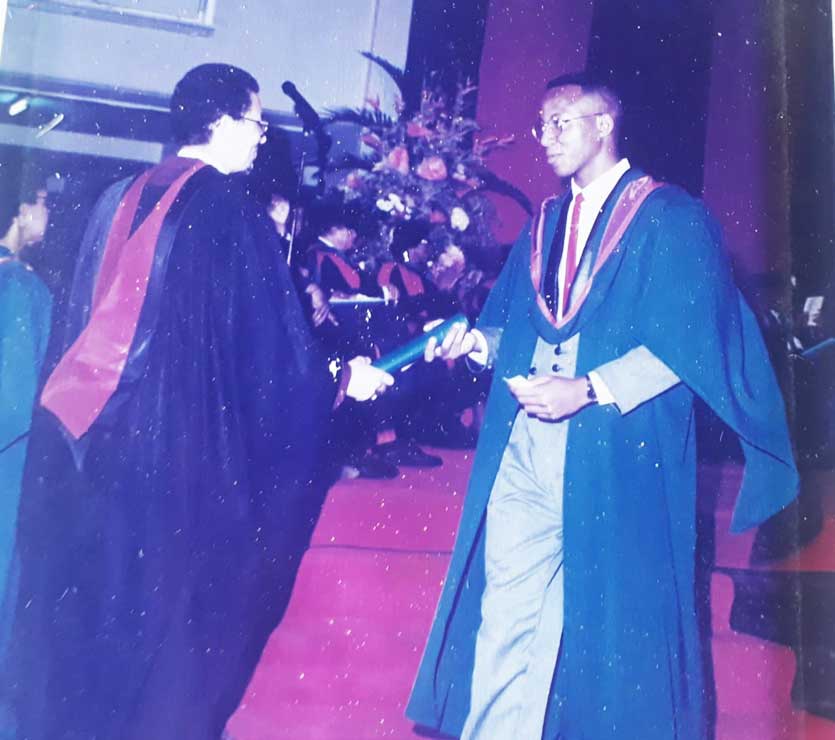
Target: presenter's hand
393 294
549 398
320 306
366 382
459 341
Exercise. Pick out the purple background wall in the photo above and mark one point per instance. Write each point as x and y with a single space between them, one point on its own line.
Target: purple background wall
745 164
744 151
527 43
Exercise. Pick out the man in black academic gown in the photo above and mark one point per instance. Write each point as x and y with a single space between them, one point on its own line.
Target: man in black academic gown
173 476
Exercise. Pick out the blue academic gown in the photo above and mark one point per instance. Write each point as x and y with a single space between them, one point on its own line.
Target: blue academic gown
25 313
631 663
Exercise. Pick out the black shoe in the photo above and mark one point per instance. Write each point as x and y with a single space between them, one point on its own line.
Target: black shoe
407 453
373 465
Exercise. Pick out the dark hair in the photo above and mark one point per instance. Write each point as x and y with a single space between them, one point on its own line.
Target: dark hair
204 95
406 235
13 194
274 173
326 213
8 210
590 85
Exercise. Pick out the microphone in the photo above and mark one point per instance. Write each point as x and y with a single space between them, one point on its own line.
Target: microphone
310 118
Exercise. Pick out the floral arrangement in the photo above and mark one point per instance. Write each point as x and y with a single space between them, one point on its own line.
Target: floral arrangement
426 166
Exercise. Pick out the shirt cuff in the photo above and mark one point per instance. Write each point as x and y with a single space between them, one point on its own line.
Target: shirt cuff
480 354
601 390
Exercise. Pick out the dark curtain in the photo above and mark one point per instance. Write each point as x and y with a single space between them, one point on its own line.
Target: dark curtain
445 44
657 54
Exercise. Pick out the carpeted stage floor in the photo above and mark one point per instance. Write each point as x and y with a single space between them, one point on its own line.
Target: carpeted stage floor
341 664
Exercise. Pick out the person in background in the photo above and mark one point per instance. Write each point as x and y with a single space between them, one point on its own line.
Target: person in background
176 460
334 229
279 211
431 397
25 316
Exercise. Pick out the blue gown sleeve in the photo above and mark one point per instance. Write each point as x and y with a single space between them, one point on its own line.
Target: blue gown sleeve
25 311
692 316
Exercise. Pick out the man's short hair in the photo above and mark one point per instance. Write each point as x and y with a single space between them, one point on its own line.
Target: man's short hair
273 173
204 95
12 195
590 85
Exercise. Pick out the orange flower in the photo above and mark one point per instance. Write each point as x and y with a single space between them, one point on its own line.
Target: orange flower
372 140
432 168
398 160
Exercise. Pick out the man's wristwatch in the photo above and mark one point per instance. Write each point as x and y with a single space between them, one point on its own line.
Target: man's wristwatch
590 394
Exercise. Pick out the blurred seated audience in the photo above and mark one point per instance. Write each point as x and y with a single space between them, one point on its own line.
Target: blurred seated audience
274 182
802 349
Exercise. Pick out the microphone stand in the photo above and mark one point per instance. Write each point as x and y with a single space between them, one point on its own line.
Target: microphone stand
311 124
297 208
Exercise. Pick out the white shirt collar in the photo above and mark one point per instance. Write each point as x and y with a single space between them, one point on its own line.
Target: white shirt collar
596 192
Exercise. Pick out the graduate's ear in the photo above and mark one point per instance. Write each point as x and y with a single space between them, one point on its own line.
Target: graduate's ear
605 125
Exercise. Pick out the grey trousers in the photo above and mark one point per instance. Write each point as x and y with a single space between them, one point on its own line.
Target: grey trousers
518 641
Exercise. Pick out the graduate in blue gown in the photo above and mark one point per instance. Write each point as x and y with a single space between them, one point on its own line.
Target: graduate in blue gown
628 660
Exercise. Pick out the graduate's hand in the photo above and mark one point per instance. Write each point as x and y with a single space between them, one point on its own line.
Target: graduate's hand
458 341
366 382
549 398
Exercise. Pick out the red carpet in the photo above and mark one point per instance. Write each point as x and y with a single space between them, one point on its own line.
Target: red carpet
341 664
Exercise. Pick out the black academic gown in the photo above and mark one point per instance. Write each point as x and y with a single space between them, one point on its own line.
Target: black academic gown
159 550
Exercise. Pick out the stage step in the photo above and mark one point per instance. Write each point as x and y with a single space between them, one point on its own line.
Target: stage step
752 676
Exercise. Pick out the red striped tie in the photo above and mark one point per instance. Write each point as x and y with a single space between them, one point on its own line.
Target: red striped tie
571 251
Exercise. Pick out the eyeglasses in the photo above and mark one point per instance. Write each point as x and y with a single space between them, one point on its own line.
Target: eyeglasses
560 124
263 125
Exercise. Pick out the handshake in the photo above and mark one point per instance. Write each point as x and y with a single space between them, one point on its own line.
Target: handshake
448 340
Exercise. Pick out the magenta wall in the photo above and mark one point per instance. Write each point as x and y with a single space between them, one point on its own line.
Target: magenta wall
744 160
526 45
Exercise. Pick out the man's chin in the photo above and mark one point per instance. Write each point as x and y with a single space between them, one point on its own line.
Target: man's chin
251 162
560 166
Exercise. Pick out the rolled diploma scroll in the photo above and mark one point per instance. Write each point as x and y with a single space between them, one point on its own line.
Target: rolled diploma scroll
414 349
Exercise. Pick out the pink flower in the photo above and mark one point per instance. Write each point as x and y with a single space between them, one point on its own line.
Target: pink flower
437 217
398 160
415 130
432 168
458 219
353 181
